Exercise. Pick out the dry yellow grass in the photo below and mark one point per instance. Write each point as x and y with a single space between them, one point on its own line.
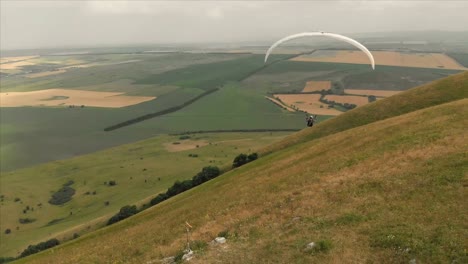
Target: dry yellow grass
390 58
65 97
380 93
350 99
47 73
184 145
307 102
312 86
280 104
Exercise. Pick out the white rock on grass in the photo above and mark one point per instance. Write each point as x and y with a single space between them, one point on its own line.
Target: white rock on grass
220 240
188 255
311 245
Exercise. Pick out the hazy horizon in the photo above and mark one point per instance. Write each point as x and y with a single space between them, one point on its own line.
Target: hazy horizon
77 24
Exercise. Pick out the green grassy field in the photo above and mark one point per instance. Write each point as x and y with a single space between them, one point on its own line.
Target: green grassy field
140 169
174 78
70 132
394 184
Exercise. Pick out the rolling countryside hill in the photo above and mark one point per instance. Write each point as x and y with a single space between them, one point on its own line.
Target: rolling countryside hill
383 183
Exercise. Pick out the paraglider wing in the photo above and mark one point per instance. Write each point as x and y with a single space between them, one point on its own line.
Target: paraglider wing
331 35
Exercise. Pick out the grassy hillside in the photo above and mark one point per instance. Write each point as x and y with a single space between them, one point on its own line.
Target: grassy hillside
383 191
140 169
441 91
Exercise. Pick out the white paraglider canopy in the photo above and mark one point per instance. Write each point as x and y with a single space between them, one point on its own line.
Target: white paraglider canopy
325 34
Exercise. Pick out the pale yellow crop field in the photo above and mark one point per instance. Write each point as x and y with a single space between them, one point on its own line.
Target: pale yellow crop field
350 99
313 86
390 58
65 97
15 65
380 93
307 102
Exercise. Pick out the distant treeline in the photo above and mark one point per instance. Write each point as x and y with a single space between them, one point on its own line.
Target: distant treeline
163 112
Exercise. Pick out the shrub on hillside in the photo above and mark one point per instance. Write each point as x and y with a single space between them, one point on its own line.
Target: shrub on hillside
62 196
7 231
124 212
206 174
26 220
159 198
179 187
32 249
242 159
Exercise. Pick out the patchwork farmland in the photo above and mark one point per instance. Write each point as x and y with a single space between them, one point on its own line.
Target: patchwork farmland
389 58
244 95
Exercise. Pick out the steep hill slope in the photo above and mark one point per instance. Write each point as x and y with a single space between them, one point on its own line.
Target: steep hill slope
386 192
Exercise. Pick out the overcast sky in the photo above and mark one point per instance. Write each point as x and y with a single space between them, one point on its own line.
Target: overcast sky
38 24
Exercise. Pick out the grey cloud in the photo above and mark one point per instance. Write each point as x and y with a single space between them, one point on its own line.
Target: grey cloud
28 24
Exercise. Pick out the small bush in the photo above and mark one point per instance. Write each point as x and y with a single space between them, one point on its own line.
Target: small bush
176 143
242 159
17 199
112 183
7 231
106 203
26 220
62 196
198 245
76 235
159 198
124 212
184 137
224 234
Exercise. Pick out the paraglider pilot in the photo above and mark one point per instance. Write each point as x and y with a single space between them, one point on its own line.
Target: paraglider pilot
311 120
